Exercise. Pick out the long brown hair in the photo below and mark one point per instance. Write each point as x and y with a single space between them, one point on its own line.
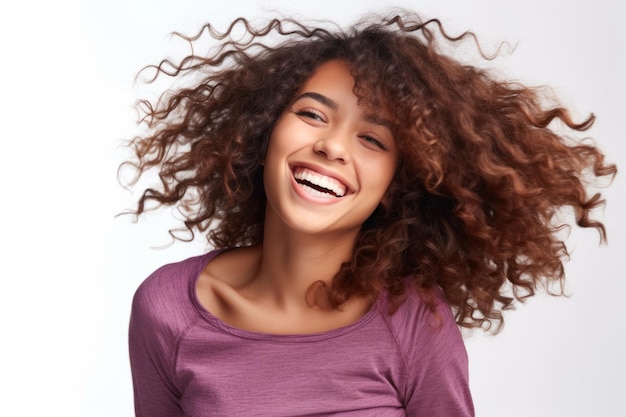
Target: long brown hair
472 208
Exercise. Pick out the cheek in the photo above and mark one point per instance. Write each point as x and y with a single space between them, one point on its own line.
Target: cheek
281 137
386 178
273 146
279 147
379 172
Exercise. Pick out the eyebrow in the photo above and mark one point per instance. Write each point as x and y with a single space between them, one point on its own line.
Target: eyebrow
329 102
370 118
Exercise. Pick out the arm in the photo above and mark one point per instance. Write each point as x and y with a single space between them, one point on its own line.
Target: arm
152 359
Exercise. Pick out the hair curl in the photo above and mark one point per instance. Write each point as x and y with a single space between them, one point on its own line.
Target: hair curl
474 202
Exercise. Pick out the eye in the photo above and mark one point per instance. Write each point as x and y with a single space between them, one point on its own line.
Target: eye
311 114
372 141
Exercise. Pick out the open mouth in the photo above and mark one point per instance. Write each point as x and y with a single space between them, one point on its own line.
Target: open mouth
319 185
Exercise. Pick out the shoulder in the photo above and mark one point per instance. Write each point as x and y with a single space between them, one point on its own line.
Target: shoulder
425 329
166 296
426 312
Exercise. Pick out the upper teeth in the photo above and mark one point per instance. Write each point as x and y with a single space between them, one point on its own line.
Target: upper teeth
321 181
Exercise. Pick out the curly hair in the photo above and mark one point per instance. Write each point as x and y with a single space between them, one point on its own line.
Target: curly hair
473 208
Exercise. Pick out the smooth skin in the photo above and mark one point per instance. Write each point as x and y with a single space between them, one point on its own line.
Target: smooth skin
328 166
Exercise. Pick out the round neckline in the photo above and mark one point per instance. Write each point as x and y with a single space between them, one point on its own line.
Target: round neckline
276 337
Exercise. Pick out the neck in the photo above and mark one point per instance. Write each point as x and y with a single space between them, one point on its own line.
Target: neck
291 261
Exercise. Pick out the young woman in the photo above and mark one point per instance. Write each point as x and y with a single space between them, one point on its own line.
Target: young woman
366 194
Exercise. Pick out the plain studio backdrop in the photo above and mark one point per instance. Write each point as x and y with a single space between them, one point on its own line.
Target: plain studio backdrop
69 267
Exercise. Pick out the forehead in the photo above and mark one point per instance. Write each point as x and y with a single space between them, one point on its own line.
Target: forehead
331 76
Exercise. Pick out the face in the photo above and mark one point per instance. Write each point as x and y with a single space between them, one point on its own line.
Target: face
329 161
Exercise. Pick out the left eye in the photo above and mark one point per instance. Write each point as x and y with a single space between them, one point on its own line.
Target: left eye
372 140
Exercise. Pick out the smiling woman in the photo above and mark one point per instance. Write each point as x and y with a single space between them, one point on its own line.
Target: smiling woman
366 194
321 154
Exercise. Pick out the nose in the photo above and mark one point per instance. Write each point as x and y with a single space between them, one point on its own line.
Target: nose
334 147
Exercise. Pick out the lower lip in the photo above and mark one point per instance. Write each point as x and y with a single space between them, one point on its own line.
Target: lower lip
304 194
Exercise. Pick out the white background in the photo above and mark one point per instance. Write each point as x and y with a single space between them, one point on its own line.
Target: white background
69 268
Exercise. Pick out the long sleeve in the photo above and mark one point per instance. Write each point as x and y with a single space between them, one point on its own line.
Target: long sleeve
187 362
152 358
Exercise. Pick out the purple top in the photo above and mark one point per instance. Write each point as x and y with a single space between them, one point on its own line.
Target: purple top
186 362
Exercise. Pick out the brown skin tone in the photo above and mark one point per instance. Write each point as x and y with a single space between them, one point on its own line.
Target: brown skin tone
308 236
479 164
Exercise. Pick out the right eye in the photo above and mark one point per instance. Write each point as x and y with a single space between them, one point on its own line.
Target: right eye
311 114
